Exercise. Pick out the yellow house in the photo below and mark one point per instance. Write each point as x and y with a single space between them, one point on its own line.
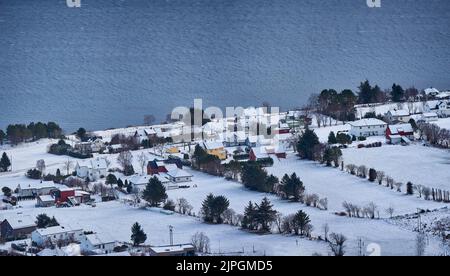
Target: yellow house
172 150
216 149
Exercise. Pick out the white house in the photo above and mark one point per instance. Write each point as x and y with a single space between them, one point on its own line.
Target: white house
35 189
144 134
429 117
398 115
97 243
94 169
139 182
368 127
52 235
178 175
431 92
443 109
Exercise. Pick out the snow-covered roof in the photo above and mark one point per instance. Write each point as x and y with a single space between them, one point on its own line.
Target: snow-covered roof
172 248
429 114
56 230
38 185
46 198
394 129
399 113
144 179
367 122
211 145
99 239
47 252
431 90
178 173
260 152
19 221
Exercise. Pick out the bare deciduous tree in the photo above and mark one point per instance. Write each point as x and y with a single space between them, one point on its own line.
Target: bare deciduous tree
142 158
67 165
125 159
390 211
40 165
380 177
337 244
201 242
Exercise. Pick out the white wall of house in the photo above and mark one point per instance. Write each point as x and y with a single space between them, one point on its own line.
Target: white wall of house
367 131
41 240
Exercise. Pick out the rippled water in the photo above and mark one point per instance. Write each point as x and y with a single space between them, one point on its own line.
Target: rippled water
110 62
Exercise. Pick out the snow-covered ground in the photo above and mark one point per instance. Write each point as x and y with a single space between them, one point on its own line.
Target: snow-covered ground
116 218
443 123
420 165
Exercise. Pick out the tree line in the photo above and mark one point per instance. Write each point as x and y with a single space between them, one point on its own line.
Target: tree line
18 133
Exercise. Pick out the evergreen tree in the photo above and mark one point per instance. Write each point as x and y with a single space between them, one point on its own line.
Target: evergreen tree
154 192
44 221
129 189
111 179
138 235
248 221
81 134
206 210
372 175
120 183
293 187
220 205
409 188
307 143
301 221
332 138
254 177
265 215
343 139
5 163
2 136
397 93
6 191
213 208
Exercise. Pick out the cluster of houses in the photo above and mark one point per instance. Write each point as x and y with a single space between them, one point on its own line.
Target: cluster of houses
47 194
50 240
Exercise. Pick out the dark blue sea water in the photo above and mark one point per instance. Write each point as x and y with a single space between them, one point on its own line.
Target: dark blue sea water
109 62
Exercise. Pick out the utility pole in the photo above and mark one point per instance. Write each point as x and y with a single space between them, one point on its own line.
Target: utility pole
171 234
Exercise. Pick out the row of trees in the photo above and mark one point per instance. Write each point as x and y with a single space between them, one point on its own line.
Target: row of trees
17 133
436 136
310 148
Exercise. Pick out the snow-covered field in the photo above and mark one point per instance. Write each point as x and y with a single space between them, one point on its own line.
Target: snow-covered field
443 123
420 165
115 218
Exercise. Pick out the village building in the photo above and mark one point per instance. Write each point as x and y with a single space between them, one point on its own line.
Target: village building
45 201
368 127
156 167
401 133
93 169
144 134
173 250
429 117
33 190
431 92
139 182
52 235
443 109
177 175
259 154
97 244
215 148
398 116
16 226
